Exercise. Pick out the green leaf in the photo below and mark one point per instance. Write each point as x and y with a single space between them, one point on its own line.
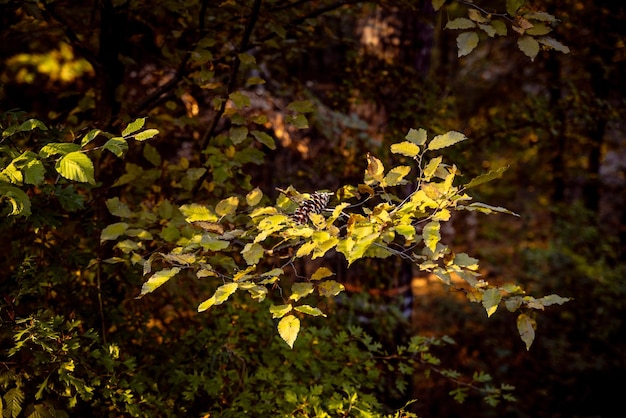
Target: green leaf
396 176
134 126
431 235
301 106
13 400
488 29
500 27
538 29
541 16
55 148
491 299
227 206
238 134
417 136
118 208
300 290
484 208
264 139
19 200
310 310
76 166
90 136
239 99
526 327
482 377
464 260
553 300
460 23
254 197
147 134
213 244
512 6
438 4
529 46
466 42
484 178
158 279
406 148
246 59
446 140
25 126
151 154
278 311
252 253
33 169
288 328
299 121
554 44
117 146
459 394
513 303
113 231
330 288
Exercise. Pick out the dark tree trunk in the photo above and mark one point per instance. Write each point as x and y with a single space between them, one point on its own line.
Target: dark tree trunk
109 70
557 130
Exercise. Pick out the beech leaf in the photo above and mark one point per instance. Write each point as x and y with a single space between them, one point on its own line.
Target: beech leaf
134 126
76 166
310 310
446 140
526 327
466 42
158 279
406 148
288 328
491 299
529 46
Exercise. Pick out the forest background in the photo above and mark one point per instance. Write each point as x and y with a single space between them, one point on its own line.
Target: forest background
249 97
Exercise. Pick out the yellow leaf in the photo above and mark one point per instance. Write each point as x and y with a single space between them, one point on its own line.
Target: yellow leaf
254 197
374 171
406 148
227 206
288 328
431 235
300 290
309 310
306 249
330 288
321 273
278 311
158 279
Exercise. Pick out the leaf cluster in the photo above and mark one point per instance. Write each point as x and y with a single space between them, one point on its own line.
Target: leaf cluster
227 242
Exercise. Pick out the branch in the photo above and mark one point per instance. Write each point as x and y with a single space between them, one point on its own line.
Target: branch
181 71
232 82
